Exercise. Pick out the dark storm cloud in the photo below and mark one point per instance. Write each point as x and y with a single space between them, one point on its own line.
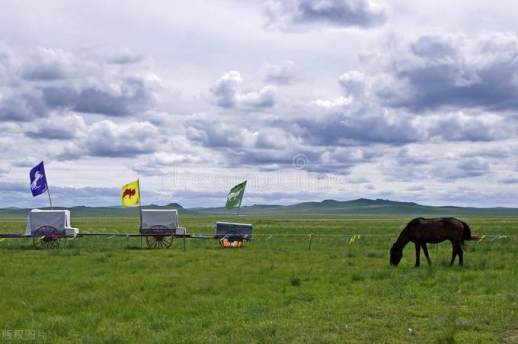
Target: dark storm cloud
22 106
273 146
343 129
288 14
49 81
124 97
441 72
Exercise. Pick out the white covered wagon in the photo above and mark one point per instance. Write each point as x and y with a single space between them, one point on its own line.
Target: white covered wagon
47 227
160 226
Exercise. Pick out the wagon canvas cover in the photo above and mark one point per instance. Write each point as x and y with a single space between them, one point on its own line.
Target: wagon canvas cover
59 219
167 218
233 230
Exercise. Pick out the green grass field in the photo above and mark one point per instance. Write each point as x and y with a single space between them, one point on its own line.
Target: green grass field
275 290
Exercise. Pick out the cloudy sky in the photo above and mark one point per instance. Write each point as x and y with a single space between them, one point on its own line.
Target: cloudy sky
308 100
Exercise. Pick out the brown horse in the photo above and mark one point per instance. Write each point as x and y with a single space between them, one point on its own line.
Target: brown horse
421 231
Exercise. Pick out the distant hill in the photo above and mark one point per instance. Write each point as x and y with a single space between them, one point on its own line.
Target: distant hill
364 206
360 206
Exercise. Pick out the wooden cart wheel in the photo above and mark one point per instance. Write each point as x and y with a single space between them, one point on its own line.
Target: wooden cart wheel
159 241
46 237
161 238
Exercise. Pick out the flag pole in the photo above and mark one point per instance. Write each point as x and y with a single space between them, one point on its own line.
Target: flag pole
48 193
240 201
139 204
48 189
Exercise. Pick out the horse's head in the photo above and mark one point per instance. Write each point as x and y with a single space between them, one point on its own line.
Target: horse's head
395 255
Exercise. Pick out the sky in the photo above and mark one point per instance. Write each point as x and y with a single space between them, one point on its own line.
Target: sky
307 100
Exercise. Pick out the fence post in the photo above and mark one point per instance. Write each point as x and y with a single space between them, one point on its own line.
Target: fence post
270 239
310 239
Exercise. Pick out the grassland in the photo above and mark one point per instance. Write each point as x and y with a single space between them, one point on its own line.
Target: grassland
275 290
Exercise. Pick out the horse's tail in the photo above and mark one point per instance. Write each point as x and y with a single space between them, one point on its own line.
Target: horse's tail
466 235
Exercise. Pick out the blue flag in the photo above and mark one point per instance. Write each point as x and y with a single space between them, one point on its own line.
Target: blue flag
38 180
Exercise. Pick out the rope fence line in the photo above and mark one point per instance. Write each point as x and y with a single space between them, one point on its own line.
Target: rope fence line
354 236
309 238
269 236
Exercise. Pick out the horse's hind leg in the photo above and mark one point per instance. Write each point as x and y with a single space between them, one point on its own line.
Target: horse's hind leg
425 250
453 253
457 250
417 254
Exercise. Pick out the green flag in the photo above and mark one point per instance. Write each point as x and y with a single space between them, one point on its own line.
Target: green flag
235 196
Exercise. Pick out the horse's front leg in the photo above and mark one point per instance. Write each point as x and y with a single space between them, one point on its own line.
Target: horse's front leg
417 253
425 250
461 255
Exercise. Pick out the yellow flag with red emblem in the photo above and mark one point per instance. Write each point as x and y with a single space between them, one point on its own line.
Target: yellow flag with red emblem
130 194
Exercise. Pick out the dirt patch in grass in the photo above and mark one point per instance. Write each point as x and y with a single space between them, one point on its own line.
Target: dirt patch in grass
510 337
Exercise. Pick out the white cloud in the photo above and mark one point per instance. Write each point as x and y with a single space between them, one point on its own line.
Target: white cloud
58 127
353 83
4 169
47 64
229 94
281 74
109 139
338 102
